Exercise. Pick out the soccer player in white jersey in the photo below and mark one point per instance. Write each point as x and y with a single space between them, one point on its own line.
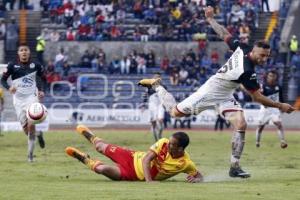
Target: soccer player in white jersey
27 88
218 89
156 111
272 90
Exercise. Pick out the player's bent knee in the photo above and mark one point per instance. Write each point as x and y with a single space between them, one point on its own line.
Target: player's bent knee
241 125
278 124
99 148
99 169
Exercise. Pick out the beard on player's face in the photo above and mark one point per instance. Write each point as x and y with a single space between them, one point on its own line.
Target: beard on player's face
260 55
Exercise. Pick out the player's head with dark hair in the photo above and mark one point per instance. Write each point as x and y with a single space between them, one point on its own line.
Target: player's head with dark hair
23 53
271 77
262 44
260 52
178 142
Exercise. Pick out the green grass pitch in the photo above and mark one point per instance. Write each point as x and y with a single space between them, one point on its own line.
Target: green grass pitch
54 175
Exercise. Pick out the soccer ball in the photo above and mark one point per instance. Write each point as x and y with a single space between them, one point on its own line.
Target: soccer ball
36 113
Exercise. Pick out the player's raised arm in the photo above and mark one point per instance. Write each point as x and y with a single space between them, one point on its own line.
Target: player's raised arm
147 165
219 29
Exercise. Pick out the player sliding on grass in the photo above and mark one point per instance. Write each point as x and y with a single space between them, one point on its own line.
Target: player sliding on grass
218 89
166 158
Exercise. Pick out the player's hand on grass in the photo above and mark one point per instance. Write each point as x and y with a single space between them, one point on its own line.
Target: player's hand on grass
41 94
209 12
287 108
193 179
12 90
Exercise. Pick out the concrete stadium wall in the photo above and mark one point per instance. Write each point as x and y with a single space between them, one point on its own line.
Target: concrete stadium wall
75 50
291 120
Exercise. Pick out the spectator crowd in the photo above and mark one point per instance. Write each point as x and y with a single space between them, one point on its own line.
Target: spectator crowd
147 20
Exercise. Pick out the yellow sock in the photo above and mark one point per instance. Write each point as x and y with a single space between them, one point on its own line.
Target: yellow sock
92 164
95 139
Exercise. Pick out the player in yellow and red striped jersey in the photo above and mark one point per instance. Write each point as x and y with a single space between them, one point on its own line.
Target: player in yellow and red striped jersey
166 158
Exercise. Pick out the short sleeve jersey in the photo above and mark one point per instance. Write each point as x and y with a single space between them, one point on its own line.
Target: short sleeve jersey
164 166
239 68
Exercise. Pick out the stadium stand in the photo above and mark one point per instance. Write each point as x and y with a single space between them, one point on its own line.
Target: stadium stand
143 21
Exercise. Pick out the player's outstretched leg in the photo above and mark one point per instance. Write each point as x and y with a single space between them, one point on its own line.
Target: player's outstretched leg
87 133
31 141
83 158
98 143
165 97
40 138
30 131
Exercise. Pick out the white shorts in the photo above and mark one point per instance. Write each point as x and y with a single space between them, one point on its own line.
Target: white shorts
21 106
269 114
157 113
208 96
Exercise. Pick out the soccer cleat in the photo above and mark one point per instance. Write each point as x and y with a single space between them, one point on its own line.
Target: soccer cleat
238 172
75 153
283 145
86 132
257 144
41 140
149 82
82 157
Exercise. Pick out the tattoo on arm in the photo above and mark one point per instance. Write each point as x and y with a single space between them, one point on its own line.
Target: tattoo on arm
219 29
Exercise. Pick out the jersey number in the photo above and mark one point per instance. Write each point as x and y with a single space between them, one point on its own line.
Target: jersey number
227 67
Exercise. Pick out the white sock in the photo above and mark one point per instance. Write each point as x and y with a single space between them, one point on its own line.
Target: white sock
153 131
238 142
280 133
166 98
234 161
160 128
259 132
31 143
258 135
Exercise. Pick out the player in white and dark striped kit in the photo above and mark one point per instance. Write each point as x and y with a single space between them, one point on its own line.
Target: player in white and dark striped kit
27 88
218 89
272 90
156 111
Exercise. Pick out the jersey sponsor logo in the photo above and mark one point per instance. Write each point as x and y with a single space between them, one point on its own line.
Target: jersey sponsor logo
26 82
253 77
32 65
274 97
16 66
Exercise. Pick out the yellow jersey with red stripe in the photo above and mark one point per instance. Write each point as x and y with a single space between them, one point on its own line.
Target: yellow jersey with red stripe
164 166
